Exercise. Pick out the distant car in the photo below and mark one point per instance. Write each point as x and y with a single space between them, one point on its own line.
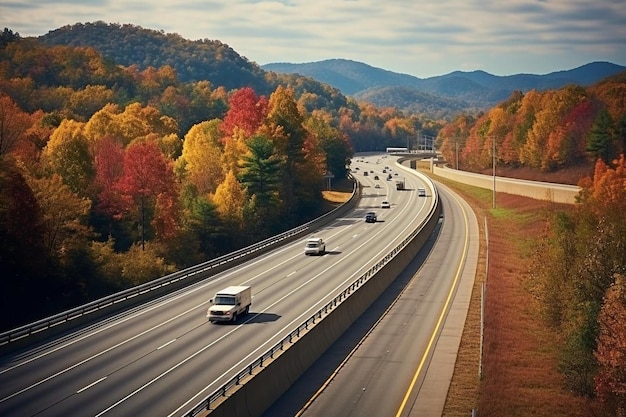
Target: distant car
421 192
395 173
365 173
385 204
370 217
389 177
315 246
371 171
376 177
384 171
377 186
357 168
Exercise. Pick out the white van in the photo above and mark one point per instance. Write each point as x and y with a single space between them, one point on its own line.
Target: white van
230 303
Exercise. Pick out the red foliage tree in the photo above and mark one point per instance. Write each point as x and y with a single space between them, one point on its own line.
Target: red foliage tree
109 165
246 112
567 142
148 178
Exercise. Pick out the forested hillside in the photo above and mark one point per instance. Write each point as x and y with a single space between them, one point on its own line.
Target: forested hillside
547 130
197 60
112 174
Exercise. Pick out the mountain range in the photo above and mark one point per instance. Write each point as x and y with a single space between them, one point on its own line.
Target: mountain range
442 95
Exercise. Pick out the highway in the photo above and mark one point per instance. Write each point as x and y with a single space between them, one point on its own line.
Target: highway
164 356
403 362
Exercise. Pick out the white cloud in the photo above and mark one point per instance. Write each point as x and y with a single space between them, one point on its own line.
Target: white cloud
425 38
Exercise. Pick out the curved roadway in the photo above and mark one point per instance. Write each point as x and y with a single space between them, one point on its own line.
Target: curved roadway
164 357
403 364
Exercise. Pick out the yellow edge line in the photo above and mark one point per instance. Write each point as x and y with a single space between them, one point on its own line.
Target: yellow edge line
440 320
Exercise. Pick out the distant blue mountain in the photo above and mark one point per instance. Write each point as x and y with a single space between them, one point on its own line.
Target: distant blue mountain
474 90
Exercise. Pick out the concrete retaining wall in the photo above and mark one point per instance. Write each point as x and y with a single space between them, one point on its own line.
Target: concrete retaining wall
557 193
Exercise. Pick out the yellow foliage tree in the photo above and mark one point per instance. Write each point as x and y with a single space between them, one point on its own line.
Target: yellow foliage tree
230 199
202 157
65 215
67 154
135 122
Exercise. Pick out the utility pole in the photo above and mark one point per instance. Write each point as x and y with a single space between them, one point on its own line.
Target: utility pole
456 145
493 140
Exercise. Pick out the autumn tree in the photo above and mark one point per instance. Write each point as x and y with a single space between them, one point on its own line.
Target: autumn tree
567 142
147 179
230 200
13 124
142 263
64 215
284 124
611 351
110 202
246 111
87 101
206 103
554 106
134 122
400 131
201 159
477 152
452 138
335 144
67 155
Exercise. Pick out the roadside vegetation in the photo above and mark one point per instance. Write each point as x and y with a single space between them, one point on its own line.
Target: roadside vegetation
555 305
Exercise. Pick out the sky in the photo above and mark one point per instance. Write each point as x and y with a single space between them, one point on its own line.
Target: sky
423 38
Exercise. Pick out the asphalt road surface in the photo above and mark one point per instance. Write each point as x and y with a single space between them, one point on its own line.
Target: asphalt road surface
163 357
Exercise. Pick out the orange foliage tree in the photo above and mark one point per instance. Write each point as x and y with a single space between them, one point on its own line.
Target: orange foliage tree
13 124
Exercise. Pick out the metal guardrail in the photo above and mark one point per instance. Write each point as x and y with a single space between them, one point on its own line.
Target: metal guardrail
191 275
205 405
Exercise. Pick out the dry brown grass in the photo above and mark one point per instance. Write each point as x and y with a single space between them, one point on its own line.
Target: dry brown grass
340 192
336 197
519 375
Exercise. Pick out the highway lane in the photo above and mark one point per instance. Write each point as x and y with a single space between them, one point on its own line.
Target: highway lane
393 370
163 357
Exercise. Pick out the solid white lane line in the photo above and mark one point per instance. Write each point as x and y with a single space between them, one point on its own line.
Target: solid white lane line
91 385
162 346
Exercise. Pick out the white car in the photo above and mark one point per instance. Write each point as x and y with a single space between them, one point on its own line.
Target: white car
421 192
315 246
385 204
